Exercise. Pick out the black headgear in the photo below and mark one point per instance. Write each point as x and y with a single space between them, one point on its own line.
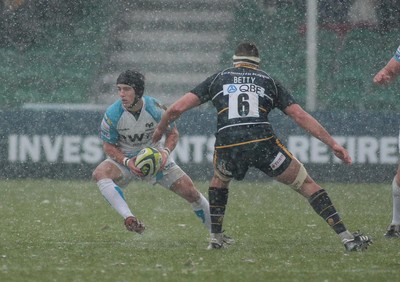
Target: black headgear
134 79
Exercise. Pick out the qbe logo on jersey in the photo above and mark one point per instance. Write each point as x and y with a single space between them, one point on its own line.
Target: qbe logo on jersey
243 99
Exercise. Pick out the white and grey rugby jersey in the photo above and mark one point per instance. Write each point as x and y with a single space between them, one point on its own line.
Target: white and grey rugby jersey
397 54
120 127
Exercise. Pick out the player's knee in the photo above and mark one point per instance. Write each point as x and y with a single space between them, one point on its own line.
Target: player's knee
300 178
218 176
106 170
96 175
99 173
395 188
397 178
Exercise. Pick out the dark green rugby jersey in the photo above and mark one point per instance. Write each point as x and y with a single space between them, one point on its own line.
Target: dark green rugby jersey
243 98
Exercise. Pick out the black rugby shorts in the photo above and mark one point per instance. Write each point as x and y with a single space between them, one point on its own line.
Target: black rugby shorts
269 156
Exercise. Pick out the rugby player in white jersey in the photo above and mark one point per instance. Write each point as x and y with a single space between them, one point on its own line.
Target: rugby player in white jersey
126 128
387 74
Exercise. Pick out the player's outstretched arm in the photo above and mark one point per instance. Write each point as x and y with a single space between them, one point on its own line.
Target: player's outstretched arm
312 126
388 73
183 104
171 139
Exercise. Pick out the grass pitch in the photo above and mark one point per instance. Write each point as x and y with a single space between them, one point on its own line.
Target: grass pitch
65 231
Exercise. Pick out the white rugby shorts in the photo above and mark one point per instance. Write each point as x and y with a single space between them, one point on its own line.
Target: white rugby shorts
171 173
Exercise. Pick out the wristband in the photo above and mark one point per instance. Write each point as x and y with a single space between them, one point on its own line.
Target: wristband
168 151
126 161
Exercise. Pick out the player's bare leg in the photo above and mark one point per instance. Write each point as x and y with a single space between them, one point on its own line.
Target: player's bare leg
185 188
393 230
298 179
104 176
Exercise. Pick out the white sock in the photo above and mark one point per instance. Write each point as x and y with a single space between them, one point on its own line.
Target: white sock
396 202
346 236
114 196
202 209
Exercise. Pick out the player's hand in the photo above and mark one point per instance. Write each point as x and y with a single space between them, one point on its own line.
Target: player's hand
342 154
157 135
382 77
133 168
164 156
134 225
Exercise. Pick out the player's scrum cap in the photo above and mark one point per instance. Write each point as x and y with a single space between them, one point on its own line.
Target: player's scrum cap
246 53
132 78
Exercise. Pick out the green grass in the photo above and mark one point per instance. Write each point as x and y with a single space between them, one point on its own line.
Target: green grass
65 231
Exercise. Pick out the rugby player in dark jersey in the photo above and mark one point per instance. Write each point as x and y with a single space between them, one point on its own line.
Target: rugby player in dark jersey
243 96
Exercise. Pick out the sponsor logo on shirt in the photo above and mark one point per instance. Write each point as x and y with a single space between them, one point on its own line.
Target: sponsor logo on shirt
105 125
278 161
105 134
231 88
107 120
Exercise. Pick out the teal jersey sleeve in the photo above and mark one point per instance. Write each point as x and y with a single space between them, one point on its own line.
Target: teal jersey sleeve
108 128
155 109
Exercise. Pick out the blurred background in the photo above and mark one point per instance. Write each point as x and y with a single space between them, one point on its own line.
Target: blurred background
55 51
67 55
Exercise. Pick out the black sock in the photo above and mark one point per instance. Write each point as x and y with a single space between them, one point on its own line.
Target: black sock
218 198
323 206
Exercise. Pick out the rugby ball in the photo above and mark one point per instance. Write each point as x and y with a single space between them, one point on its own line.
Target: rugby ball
148 160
